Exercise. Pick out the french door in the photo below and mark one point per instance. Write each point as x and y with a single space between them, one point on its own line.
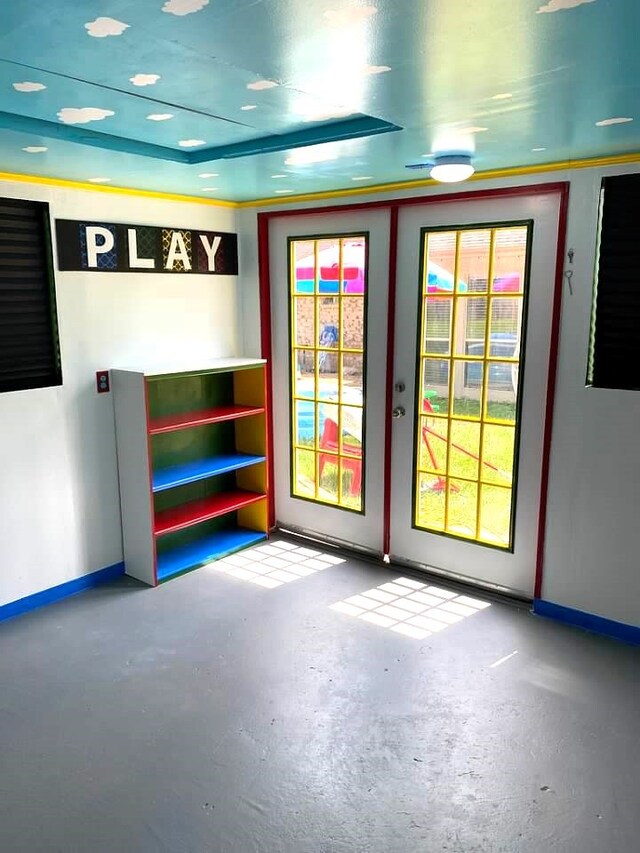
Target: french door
473 316
329 296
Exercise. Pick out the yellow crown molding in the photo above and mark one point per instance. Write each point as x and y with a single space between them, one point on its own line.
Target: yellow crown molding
399 186
103 188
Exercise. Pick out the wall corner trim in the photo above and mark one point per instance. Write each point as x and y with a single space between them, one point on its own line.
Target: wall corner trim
587 621
57 593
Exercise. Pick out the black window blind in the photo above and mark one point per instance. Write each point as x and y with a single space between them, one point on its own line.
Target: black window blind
614 357
29 348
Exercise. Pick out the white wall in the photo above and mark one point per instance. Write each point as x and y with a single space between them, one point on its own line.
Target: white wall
249 301
59 505
592 552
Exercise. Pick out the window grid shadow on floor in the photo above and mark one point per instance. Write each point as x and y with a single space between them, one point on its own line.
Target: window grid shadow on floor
409 607
275 564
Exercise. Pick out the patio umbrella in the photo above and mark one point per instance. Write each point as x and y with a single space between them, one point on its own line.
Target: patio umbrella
353 270
440 280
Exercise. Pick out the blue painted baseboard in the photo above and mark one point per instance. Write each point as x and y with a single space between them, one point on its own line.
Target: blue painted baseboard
588 621
56 593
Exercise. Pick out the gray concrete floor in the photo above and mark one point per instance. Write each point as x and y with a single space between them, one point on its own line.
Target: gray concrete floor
213 714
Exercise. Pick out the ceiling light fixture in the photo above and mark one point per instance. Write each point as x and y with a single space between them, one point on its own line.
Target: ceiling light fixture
451 168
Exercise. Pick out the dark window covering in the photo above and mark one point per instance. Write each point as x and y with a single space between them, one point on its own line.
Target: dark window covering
29 348
614 353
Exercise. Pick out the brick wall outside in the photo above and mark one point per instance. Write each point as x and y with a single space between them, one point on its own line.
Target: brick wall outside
353 319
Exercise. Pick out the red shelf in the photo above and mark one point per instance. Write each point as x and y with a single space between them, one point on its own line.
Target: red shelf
169 423
179 517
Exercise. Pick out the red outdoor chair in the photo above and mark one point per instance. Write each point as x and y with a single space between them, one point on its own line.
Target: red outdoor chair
330 441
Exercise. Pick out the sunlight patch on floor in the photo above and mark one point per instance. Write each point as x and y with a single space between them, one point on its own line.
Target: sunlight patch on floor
409 607
274 564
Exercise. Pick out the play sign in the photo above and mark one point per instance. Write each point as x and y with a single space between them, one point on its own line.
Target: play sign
105 247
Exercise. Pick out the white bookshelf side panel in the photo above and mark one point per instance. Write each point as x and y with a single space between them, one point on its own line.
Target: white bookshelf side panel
133 468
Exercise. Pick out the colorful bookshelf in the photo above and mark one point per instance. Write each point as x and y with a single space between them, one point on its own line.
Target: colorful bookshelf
192 461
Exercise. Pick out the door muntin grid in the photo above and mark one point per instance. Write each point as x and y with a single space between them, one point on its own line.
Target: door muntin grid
472 309
327 346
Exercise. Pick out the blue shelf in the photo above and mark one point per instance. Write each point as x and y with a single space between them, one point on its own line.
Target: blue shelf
202 469
205 550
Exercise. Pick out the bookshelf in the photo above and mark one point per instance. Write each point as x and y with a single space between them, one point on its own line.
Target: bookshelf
192 462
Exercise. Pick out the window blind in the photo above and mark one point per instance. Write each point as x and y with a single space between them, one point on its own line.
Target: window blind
29 347
614 357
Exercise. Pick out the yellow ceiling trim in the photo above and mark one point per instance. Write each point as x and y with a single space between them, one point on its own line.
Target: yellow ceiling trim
102 188
399 186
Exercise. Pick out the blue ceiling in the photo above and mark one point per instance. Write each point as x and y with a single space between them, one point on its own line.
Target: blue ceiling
514 83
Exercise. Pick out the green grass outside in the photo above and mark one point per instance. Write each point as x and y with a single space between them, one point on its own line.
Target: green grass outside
495 503
462 503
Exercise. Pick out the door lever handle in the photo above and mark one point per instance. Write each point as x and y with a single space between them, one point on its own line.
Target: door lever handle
398 412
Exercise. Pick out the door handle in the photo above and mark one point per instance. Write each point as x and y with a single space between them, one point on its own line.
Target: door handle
399 412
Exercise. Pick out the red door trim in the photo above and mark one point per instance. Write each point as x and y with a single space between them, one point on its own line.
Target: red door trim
264 280
394 205
551 387
391 345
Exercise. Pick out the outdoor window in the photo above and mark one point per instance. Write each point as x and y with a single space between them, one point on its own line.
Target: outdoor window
327 289
29 349
472 307
615 321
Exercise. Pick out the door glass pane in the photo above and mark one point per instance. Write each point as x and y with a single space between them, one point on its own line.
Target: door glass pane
473 263
305 424
352 378
434 444
437 324
471 326
304 474
352 322
327 344
304 319
464 447
495 515
303 267
472 307
304 372
430 501
467 388
435 385
510 260
328 322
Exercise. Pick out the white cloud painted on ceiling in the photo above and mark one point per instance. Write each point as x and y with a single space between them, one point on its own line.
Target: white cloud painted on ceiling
103 27
29 87
184 7
144 79
83 115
